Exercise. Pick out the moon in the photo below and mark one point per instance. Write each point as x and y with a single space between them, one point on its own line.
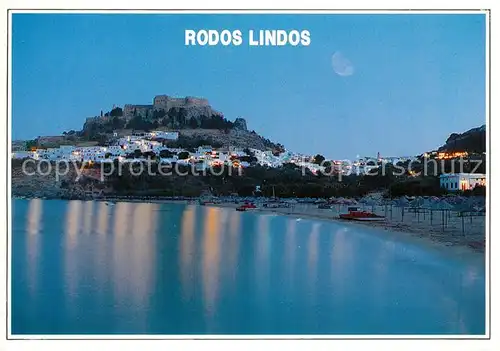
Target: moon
341 65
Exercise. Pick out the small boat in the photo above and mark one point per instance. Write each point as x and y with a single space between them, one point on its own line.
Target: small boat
320 201
207 202
246 206
354 214
271 205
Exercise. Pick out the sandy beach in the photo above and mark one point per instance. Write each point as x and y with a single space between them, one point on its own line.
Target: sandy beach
415 225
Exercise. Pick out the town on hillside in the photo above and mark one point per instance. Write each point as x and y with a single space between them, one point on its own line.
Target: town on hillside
188 131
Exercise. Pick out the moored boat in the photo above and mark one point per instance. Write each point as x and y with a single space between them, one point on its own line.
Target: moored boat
246 206
208 201
354 214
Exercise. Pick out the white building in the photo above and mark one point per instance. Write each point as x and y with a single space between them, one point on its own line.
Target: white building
22 154
159 134
204 149
461 181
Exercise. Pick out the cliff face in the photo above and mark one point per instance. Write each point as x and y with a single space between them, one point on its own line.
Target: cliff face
472 141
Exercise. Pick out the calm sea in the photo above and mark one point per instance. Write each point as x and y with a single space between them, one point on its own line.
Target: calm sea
141 268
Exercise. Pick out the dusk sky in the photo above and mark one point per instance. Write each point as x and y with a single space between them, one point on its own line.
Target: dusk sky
413 79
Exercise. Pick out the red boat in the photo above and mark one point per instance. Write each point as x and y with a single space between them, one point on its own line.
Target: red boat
246 206
354 214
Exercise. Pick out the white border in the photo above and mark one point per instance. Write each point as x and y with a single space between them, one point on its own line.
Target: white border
488 173
237 11
177 337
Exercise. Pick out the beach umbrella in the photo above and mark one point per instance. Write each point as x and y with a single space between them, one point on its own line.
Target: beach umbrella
363 201
462 209
445 205
352 202
339 200
416 205
480 200
448 206
437 207
432 205
394 203
385 203
371 202
402 202
427 203
442 206
417 202
474 205
426 206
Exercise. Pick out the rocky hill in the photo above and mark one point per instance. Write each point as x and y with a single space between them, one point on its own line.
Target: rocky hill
192 117
472 141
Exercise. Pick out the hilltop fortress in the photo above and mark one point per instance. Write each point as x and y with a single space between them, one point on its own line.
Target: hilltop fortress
194 107
192 117
166 111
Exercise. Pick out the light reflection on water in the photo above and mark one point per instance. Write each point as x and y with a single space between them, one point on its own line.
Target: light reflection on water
312 259
71 274
289 256
187 250
234 245
33 229
151 268
210 259
263 237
